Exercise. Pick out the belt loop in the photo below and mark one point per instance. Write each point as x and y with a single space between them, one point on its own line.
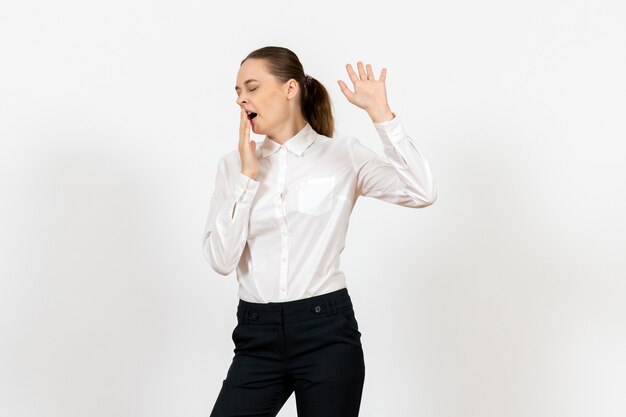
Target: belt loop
252 314
330 307
245 315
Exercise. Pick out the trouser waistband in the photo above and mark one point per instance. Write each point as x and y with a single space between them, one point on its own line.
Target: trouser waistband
297 310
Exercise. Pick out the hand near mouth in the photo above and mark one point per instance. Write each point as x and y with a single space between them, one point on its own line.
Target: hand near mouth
247 148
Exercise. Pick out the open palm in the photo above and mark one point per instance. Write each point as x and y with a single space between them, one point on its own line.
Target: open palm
369 93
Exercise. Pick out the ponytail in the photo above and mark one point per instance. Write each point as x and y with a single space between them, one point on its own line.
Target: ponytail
316 107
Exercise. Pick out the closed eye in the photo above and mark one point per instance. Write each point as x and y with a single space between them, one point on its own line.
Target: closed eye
249 90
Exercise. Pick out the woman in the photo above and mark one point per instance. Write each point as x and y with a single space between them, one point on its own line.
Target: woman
279 215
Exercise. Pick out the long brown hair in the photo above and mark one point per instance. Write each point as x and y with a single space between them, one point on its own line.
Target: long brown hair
314 99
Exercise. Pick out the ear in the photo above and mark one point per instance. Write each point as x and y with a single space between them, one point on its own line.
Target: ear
291 88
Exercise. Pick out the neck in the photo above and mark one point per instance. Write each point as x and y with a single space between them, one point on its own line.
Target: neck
288 130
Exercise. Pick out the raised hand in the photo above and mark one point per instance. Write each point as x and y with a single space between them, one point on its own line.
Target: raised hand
369 93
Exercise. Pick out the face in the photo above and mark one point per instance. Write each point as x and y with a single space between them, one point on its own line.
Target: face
262 93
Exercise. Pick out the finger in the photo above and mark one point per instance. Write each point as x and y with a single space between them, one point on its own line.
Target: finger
345 90
241 123
370 73
353 77
362 72
383 74
244 127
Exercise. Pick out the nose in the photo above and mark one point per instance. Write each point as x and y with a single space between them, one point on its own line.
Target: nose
240 100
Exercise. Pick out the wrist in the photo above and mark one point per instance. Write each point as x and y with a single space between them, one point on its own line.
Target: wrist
381 114
249 174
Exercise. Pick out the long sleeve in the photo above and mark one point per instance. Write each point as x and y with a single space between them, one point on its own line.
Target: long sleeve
226 230
404 178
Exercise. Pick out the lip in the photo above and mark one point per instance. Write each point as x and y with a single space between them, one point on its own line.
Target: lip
251 111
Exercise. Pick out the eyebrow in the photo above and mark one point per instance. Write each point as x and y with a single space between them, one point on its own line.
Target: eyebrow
245 82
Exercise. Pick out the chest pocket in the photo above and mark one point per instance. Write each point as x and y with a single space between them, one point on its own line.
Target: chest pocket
316 195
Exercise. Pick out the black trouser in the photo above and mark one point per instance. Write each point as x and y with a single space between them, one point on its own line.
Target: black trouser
311 346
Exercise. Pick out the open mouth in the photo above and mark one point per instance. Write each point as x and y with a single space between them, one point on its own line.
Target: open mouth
251 115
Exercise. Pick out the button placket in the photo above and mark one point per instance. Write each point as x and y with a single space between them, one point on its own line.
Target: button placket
280 214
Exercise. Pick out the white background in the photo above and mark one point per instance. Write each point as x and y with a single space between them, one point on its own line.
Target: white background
507 297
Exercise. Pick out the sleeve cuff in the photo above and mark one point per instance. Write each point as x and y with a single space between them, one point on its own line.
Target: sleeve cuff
391 130
245 188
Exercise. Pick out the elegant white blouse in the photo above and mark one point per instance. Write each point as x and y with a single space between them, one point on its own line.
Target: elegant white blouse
285 231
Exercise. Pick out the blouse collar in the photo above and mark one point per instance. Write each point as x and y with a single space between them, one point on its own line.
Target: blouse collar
296 144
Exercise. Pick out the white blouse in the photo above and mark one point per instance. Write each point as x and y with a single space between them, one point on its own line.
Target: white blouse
285 231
